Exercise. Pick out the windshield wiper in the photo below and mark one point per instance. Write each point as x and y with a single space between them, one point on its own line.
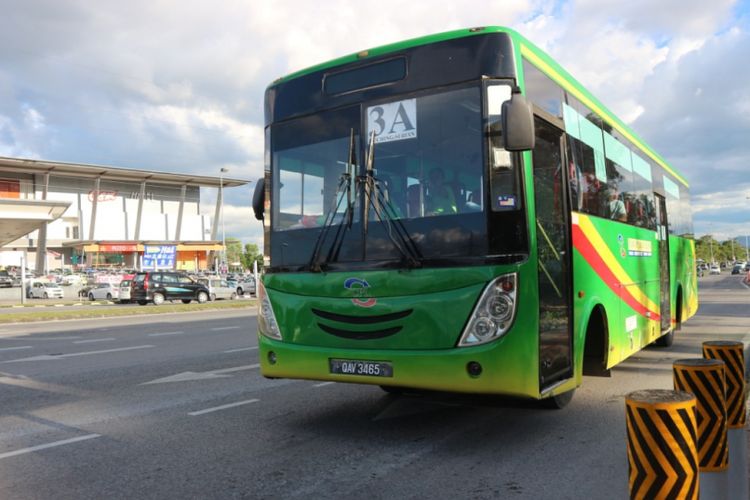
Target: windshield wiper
343 190
386 212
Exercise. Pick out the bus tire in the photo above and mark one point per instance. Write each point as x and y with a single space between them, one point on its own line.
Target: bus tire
392 389
559 401
665 340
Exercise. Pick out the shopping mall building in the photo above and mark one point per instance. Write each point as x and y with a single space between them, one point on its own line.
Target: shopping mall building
63 215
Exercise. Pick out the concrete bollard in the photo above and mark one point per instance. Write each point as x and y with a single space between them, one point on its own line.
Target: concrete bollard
733 356
704 378
662 453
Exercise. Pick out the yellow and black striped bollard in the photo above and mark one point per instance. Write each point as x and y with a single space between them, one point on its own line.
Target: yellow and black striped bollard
733 355
662 453
704 378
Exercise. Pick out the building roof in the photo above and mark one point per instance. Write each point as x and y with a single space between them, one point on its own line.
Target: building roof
26 166
20 217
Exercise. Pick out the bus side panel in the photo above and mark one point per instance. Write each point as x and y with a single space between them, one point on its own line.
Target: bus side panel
618 264
683 277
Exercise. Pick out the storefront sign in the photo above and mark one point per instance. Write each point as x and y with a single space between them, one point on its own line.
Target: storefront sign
116 248
159 256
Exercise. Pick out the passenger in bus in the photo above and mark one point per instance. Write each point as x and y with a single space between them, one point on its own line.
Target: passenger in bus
615 206
440 199
414 201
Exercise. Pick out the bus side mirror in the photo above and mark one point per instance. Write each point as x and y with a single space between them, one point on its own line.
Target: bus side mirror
518 124
259 198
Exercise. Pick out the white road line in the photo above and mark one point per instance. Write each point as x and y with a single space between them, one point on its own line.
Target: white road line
242 349
225 328
91 341
323 384
164 334
16 348
70 337
48 445
48 357
222 407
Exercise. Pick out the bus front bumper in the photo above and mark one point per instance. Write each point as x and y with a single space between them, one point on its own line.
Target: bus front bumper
487 369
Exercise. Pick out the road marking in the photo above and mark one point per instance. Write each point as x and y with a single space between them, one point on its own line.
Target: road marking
91 341
163 334
23 451
242 349
213 374
323 384
16 348
49 357
222 407
71 337
225 328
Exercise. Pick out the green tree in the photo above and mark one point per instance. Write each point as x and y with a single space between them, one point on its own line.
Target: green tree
252 254
234 251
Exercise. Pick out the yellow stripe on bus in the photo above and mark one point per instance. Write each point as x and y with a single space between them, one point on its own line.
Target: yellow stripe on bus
584 222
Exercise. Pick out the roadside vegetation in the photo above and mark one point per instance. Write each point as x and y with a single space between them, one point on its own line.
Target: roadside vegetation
71 312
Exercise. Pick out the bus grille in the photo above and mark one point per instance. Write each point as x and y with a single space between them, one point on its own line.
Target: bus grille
361 320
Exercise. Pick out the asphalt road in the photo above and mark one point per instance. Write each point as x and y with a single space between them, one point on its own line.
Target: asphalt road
174 407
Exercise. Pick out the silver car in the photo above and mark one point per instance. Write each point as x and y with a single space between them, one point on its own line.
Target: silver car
218 289
125 291
44 290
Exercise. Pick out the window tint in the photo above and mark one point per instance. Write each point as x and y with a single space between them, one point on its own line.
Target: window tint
366 76
541 90
185 279
168 278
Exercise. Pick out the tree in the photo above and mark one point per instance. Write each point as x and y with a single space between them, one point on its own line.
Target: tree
252 254
234 251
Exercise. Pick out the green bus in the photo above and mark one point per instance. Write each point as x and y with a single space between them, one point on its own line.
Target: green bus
457 213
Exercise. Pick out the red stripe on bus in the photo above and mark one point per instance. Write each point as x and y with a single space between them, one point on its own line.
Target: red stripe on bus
589 253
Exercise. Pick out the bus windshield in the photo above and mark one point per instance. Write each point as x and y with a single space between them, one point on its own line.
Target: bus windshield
428 169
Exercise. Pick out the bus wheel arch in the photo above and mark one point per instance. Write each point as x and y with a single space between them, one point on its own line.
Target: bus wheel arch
596 343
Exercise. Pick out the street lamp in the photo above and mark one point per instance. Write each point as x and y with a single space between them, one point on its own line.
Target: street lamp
223 232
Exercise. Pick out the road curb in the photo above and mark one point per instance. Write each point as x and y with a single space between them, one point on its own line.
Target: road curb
72 304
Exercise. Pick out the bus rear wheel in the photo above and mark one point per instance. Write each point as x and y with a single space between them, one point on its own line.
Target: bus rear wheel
665 340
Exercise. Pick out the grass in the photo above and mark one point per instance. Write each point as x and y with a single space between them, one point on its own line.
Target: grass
59 313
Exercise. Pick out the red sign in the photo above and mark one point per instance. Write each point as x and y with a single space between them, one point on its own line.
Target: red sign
118 248
102 195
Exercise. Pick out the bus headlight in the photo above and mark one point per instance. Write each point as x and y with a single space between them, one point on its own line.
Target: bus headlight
493 314
267 324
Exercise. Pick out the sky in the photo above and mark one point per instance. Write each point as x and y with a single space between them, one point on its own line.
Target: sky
178 86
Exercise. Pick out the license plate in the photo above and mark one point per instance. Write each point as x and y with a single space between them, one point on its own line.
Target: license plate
359 367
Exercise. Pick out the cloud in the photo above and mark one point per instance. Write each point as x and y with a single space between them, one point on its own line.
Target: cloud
179 86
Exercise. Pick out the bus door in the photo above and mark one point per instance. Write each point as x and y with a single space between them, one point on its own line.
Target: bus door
662 234
553 255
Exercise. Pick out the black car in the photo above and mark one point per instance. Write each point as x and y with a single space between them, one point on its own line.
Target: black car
737 269
158 286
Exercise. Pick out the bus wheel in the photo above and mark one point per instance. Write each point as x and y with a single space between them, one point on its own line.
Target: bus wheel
665 340
559 401
392 389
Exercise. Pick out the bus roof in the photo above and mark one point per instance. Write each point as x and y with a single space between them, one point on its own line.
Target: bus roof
528 50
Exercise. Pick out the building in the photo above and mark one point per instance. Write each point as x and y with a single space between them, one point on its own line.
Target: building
64 215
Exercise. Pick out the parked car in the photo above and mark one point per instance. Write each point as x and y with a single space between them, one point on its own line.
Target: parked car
124 288
104 291
246 286
218 288
44 290
6 280
715 269
158 286
737 269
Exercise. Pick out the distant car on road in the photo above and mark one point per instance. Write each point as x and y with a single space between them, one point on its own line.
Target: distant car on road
715 269
43 290
737 269
104 291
